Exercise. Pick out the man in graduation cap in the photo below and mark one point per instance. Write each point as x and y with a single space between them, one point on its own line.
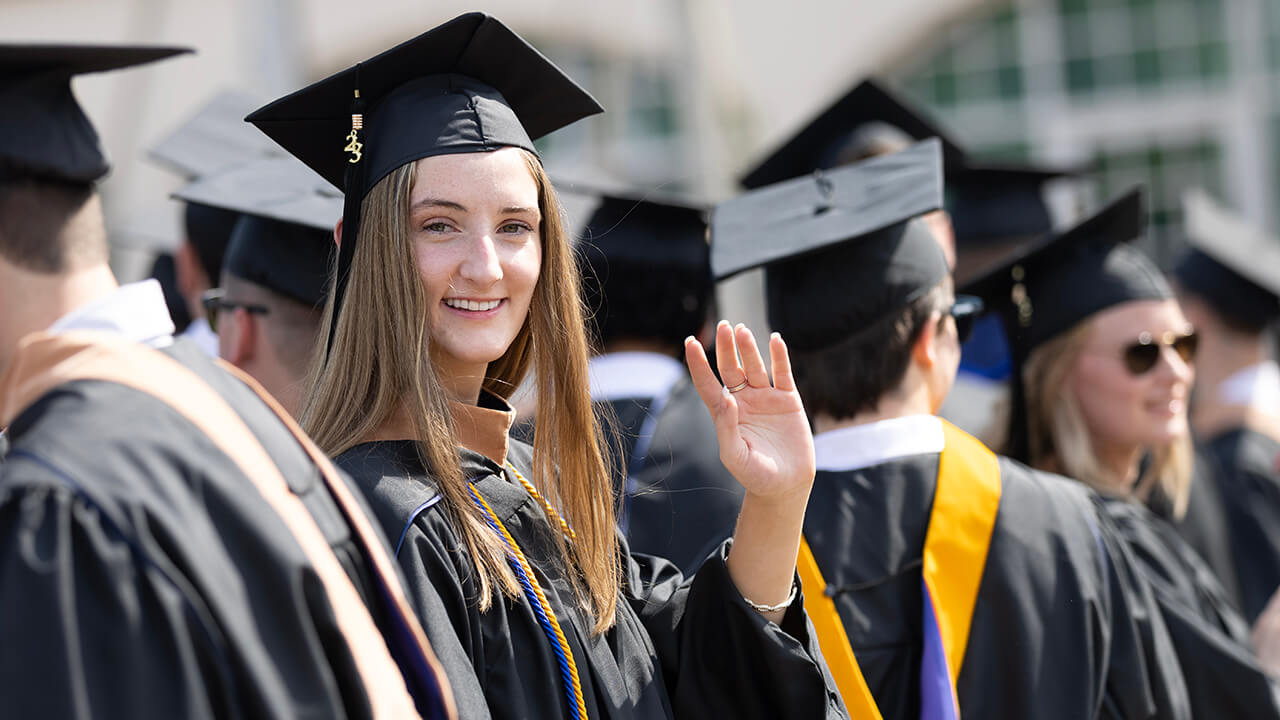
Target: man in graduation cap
646 272
213 140
1229 286
170 544
940 577
989 210
267 309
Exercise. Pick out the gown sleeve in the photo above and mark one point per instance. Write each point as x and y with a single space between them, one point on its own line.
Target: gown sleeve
721 658
438 581
88 622
1209 637
1144 677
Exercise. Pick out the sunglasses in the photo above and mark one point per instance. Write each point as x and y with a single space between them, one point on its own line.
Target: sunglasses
965 311
1141 356
215 301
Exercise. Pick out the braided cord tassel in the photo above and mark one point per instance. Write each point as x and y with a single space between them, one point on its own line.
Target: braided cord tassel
542 609
551 511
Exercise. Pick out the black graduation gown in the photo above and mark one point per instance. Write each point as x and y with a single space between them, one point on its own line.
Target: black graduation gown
1054 634
680 648
1206 526
1244 464
1210 637
143 576
682 502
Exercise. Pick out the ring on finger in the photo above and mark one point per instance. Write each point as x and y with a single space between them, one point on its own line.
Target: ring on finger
739 386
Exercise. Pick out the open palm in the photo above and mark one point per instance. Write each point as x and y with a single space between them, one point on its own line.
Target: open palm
761 426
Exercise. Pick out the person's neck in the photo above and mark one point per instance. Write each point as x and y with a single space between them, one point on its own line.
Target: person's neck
284 384
895 404
33 301
1118 466
462 384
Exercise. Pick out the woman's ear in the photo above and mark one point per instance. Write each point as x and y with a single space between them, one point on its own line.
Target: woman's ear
337 234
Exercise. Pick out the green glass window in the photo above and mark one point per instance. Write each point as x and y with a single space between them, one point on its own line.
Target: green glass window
1142 44
1167 171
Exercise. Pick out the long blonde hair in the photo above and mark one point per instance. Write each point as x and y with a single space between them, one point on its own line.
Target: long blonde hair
1058 437
380 364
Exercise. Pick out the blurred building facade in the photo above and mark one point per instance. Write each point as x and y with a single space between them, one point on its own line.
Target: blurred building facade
1169 93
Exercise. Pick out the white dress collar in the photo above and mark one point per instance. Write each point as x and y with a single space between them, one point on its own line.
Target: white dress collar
616 376
135 311
203 336
862 446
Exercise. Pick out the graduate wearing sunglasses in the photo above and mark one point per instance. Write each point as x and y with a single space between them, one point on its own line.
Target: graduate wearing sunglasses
1105 358
938 576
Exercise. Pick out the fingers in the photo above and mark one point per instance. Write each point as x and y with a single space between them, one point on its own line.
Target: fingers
781 360
731 373
752 363
714 395
704 381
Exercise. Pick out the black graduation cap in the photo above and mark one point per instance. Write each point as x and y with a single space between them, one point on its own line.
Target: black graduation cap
648 232
1231 264
469 85
1049 286
649 227
645 264
842 248
283 237
286 258
868 120
999 205
44 132
1053 284
989 203
214 138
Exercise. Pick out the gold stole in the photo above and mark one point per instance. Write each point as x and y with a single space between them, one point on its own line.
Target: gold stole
965 503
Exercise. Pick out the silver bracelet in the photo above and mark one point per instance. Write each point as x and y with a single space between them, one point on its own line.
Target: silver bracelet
795 589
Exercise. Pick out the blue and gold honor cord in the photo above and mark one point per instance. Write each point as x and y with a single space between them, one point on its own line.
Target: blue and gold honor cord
537 598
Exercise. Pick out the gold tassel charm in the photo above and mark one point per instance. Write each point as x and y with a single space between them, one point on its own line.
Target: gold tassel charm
1021 300
354 146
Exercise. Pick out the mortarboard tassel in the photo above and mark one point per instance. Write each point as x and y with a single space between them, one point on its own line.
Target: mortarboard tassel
353 185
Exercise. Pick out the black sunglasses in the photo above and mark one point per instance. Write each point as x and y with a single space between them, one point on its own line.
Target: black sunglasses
965 310
1140 357
214 301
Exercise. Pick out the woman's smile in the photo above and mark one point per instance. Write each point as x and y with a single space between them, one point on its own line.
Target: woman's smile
474 308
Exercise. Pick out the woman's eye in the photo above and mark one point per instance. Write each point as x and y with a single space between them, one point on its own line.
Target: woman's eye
436 227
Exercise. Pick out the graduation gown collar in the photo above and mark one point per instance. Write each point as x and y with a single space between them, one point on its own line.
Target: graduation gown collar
861 446
135 312
483 428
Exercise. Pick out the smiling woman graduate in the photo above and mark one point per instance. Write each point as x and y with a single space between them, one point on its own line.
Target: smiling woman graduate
454 281
1107 360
